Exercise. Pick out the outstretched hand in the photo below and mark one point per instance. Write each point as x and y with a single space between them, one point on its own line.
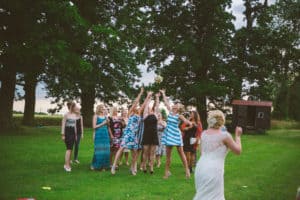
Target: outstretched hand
149 93
238 131
163 92
142 90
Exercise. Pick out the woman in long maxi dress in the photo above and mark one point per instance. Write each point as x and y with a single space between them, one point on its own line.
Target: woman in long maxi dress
101 158
209 174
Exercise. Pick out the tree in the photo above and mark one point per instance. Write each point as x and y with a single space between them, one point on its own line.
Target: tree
275 53
190 47
109 60
294 99
42 26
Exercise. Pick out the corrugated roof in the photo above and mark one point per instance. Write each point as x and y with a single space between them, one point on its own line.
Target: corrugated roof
252 103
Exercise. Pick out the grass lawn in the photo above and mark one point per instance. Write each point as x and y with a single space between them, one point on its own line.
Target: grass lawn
268 169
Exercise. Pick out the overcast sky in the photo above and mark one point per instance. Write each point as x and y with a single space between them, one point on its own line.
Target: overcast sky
43 104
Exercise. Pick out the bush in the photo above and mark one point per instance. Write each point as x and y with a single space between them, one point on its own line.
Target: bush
280 124
41 120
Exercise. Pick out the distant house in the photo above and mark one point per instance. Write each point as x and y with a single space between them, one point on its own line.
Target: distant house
251 115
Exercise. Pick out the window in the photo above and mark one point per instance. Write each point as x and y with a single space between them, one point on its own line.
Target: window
260 115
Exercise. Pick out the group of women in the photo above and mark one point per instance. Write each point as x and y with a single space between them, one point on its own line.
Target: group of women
143 131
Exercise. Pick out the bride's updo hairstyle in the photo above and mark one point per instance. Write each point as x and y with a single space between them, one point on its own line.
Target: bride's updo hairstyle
215 119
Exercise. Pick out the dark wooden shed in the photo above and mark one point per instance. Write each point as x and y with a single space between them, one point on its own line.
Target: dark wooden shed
251 115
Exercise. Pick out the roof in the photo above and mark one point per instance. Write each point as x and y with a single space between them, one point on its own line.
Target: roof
252 103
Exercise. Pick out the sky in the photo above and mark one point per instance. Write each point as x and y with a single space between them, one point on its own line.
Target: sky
43 104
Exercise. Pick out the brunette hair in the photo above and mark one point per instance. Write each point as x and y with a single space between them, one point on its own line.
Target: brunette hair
72 106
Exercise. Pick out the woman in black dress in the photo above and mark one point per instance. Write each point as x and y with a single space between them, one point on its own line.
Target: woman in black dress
150 136
191 138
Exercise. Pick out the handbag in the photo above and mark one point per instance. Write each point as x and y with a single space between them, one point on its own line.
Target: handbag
193 140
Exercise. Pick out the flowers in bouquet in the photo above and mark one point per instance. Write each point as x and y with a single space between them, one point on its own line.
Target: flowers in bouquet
158 79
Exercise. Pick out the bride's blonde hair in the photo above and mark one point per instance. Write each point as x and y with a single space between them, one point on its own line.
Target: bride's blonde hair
215 119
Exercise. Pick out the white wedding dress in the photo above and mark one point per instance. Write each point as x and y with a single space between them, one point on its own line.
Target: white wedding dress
209 173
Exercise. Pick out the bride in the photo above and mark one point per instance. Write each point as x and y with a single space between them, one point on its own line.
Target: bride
215 143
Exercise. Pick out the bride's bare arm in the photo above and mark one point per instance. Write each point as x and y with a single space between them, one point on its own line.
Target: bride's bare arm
235 145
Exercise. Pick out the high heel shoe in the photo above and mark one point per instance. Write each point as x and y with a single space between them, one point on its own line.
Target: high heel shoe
113 170
67 169
133 173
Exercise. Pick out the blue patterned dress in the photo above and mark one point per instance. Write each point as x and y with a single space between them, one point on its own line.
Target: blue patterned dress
172 134
101 146
130 133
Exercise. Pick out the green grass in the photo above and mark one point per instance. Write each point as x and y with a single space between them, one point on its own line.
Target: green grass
269 168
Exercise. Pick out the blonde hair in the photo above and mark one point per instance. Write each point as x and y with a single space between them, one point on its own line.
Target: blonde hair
215 119
114 109
181 108
99 109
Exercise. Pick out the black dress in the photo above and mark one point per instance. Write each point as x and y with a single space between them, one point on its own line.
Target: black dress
188 134
150 136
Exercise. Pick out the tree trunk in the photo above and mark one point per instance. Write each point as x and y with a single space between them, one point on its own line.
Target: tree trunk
87 105
29 88
7 94
248 14
201 107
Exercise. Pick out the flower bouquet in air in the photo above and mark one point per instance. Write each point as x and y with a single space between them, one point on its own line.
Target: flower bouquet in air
158 79
155 87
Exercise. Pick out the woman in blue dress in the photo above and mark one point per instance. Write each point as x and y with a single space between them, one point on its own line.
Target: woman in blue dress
172 136
130 134
101 137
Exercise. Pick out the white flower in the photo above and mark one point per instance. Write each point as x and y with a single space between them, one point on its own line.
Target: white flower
158 79
211 122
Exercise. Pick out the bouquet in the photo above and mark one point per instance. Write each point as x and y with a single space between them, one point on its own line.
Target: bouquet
158 79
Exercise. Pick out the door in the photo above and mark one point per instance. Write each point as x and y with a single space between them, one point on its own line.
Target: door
242 116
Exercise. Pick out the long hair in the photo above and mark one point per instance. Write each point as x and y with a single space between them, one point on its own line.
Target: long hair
99 109
72 107
196 117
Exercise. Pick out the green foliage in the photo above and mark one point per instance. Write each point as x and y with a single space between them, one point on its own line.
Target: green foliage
190 45
164 114
108 65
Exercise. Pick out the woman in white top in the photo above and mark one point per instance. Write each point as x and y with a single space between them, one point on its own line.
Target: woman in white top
69 132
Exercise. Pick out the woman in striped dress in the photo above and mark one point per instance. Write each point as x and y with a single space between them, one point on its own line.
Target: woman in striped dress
172 136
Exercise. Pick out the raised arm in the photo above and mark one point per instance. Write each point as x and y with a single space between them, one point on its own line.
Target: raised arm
235 145
136 101
166 101
146 105
156 109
